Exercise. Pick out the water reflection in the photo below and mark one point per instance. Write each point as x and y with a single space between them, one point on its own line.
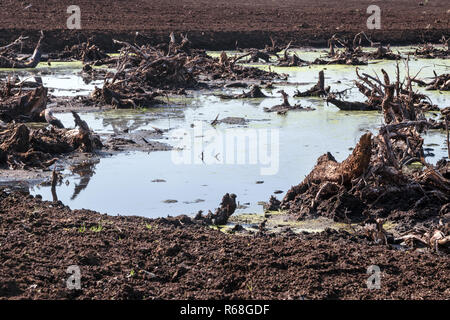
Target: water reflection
85 171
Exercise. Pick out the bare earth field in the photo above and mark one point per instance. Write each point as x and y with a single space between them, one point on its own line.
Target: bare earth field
219 24
139 258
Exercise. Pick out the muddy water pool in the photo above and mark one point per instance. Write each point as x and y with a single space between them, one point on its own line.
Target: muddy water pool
268 153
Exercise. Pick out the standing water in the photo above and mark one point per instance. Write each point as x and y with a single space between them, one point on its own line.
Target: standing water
267 153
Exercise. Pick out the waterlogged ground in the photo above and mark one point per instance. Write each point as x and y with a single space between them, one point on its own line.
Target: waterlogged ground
253 160
61 78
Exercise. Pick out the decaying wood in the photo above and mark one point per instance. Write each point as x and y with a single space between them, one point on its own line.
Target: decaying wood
146 72
254 92
384 53
87 52
436 239
376 232
22 147
377 176
430 51
22 104
350 54
125 97
349 105
441 82
221 214
398 100
14 62
291 60
286 106
18 42
318 90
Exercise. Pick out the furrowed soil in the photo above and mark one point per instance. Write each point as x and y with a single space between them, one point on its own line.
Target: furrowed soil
138 258
219 24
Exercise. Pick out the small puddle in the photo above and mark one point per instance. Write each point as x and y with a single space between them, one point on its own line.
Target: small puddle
279 221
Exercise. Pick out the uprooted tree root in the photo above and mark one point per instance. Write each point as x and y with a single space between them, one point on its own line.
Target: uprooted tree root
124 97
377 179
22 104
283 108
221 214
430 51
254 92
441 82
341 51
375 91
352 52
9 57
318 90
86 52
286 60
22 147
350 55
143 73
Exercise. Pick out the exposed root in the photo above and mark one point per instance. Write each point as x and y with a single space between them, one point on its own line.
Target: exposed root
10 60
20 103
376 179
222 214
85 52
143 73
349 105
318 90
286 106
21 147
430 51
441 82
